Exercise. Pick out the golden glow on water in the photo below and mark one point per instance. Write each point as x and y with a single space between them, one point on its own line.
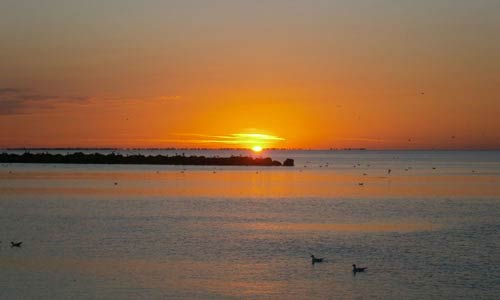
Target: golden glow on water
241 232
259 183
149 274
369 227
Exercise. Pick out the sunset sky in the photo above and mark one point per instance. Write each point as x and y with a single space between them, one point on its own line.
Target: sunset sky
386 74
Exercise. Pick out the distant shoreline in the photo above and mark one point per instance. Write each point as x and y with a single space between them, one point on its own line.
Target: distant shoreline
115 159
172 149
27 149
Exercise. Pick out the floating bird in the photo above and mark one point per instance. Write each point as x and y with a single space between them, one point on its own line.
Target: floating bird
18 244
356 269
361 183
434 168
364 174
316 259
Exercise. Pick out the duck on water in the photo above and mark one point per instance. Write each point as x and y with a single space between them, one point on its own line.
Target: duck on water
315 259
356 269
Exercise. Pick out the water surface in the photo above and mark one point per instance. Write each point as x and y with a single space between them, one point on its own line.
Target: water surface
429 229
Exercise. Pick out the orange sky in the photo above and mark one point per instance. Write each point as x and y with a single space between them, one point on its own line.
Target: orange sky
312 74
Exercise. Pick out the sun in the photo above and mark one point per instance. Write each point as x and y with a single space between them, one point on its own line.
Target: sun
256 148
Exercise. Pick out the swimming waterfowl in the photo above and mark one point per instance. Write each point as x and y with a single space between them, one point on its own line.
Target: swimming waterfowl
356 269
18 244
316 260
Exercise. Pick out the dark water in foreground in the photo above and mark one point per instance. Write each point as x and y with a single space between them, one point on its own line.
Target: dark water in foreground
165 232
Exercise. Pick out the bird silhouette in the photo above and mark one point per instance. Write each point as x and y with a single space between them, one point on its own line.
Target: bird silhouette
13 244
356 269
316 259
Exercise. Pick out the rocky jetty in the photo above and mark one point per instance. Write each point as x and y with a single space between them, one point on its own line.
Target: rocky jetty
113 158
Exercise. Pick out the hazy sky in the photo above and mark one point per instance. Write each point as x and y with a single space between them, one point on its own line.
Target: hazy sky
311 74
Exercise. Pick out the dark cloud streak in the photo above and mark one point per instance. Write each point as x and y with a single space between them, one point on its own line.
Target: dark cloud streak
14 101
10 90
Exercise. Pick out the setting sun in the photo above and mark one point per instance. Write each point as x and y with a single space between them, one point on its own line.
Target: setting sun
250 149
256 148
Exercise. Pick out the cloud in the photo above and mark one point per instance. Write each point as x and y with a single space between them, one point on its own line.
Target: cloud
24 101
15 101
9 107
169 98
244 139
9 90
363 139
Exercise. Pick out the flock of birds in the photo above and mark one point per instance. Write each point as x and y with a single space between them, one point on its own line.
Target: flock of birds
355 269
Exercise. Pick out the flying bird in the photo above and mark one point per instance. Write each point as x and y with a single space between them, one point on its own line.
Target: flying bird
13 244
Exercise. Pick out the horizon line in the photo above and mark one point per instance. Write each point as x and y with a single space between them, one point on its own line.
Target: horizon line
246 149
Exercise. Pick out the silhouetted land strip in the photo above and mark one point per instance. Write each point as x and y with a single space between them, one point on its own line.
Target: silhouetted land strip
113 159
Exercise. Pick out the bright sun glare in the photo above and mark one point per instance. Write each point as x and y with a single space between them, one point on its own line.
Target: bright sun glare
256 148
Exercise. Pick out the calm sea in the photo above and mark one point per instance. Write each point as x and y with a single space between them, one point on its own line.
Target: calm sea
429 229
